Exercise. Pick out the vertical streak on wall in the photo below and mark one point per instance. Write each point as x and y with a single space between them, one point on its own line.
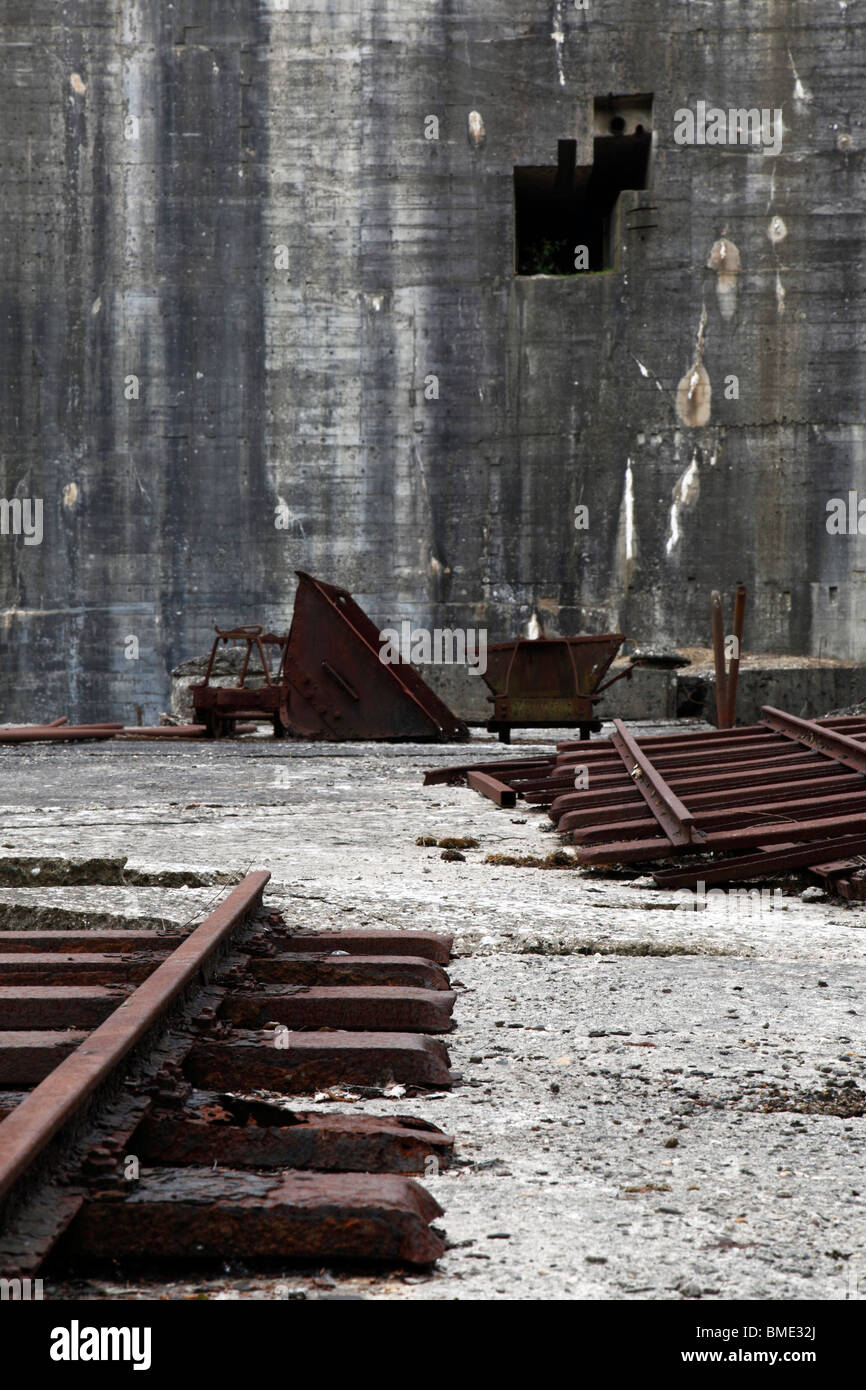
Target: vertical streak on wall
216 512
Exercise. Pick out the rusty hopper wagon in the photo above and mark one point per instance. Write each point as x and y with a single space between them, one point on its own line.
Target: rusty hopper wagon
326 680
549 682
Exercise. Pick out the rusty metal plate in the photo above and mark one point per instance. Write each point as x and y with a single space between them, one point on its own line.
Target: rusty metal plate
338 687
196 1214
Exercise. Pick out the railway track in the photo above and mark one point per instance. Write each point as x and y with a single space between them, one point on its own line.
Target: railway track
143 1085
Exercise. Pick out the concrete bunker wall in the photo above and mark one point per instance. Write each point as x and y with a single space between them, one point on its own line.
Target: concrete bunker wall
260 313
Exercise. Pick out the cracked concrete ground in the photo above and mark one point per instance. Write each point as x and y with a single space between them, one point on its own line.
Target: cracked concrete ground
625 1062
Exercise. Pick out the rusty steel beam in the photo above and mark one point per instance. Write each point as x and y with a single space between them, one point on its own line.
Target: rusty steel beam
768 760
374 1008
707 788
829 742
493 789
431 945
635 851
437 776
62 1093
299 1062
734 664
675 819
53 733
196 1214
734 753
239 1133
727 818
740 798
321 969
698 740
763 864
167 731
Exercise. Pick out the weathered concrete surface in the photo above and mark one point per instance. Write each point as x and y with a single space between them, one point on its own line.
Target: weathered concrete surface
238 207
598 1021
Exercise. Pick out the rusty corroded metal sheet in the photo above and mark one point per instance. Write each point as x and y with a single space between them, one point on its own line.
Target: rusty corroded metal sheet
198 1214
431 945
57 1006
338 687
369 1009
240 1132
332 969
310 1061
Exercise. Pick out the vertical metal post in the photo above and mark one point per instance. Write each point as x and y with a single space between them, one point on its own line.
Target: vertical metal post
719 660
734 668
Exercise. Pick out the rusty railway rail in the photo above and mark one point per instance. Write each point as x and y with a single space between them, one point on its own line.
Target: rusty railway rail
144 1082
762 799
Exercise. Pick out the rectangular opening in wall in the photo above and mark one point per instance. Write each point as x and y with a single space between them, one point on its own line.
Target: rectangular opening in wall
564 212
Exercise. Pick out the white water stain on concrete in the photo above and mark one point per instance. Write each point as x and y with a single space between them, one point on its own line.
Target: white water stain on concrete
724 259
685 495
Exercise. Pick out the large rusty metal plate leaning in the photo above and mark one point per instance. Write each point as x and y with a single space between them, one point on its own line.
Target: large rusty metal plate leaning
32 1125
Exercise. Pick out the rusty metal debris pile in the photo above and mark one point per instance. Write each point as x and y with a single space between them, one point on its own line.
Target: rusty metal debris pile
144 1082
324 679
741 804
327 681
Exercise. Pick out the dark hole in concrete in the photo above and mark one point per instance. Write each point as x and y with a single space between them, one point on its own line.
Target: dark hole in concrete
560 209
